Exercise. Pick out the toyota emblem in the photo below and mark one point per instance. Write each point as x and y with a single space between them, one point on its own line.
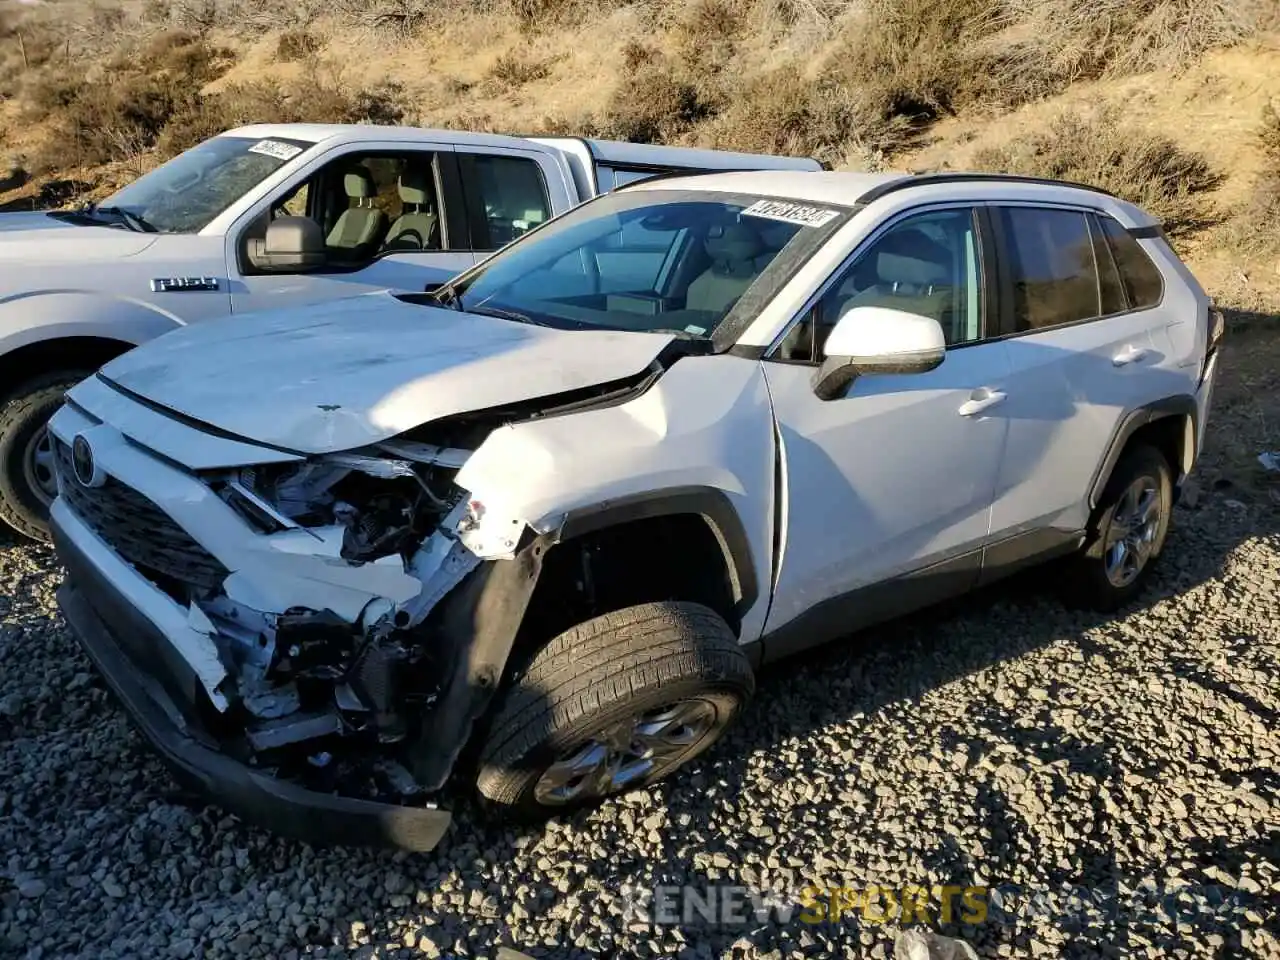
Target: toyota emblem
82 462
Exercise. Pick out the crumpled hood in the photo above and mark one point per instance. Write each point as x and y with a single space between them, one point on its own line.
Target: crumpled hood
356 371
40 238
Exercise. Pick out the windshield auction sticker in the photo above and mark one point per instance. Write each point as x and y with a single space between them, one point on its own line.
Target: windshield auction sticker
800 213
274 148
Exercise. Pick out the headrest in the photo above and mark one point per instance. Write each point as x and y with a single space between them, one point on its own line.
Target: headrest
733 243
358 184
415 187
909 256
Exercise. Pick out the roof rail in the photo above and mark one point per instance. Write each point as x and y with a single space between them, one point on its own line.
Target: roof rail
923 179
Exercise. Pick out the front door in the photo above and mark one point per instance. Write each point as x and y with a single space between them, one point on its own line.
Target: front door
392 219
895 478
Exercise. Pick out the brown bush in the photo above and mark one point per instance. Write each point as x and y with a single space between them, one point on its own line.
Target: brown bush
1103 151
122 113
516 70
1256 227
654 104
295 45
310 100
1048 44
1269 136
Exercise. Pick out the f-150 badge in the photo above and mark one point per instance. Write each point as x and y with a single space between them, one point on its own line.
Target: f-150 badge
183 284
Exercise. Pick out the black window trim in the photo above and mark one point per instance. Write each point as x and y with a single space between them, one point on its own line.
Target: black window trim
986 286
1007 325
449 201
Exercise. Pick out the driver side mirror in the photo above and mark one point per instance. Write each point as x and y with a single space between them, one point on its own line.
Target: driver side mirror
292 245
877 340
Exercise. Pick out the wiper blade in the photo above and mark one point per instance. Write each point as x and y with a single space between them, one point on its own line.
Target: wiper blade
131 220
508 315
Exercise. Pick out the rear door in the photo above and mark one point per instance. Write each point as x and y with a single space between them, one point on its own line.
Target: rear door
1082 354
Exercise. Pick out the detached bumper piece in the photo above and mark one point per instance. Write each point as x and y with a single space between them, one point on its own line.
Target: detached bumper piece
104 622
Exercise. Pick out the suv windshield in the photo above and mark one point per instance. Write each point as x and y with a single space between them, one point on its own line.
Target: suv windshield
690 262
185 194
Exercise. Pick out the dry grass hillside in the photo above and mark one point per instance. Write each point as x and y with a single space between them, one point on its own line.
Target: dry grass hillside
1170 102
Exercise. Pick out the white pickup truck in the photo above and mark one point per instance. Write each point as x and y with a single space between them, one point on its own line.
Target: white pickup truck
269 216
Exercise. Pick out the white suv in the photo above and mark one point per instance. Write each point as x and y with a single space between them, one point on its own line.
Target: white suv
540 527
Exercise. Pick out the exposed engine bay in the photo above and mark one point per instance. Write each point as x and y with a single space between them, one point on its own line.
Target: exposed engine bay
332 703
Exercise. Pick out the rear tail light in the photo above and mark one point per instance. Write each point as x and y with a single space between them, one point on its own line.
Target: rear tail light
1217 329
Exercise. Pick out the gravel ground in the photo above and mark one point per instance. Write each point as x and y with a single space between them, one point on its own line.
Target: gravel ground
998 741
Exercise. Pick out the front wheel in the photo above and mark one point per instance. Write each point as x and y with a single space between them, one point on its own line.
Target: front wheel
1128 532
27 481
616 703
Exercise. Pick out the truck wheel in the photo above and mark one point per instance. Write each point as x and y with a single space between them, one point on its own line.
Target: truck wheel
615 703
1130 524
27 484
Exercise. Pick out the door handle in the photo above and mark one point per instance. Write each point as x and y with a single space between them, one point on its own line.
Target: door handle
1129 354
984 398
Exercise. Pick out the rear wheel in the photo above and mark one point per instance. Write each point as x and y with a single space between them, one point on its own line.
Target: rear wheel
1130 525
617 702
27 482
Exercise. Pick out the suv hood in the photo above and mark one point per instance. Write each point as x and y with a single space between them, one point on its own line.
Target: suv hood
361 370
40 237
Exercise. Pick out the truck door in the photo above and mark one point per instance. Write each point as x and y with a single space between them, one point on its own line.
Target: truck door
392 217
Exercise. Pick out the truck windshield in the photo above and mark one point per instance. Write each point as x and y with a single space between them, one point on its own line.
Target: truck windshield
696 263
185 194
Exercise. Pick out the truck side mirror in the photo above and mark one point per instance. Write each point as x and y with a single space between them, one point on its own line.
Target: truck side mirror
292 245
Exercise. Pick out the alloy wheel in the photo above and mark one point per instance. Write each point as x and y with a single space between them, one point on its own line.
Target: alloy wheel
637 749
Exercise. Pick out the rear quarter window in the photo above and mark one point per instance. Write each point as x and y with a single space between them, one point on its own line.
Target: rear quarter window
1141 278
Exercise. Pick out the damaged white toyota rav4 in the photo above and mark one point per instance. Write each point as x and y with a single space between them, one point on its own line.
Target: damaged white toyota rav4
538 528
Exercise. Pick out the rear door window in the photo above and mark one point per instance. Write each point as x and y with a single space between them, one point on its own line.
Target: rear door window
1051 265
506 197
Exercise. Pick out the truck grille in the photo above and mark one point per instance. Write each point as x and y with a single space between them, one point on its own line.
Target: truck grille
139 531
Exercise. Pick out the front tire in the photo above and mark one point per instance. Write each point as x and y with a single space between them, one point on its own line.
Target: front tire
1128 532
615 703
27 485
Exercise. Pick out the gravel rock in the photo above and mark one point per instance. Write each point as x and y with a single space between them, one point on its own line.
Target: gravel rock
1003 739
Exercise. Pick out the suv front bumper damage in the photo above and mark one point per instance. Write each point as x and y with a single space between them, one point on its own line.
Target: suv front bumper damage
119 639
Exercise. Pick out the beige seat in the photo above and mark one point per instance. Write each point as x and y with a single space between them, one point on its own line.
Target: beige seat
361 225
907 271
733 250
415 228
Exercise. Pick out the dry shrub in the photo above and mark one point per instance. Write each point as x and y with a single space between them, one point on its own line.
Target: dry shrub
1256 228
296 45
1047 44
516 70
785 113
916 59
312 99
654 104
1103 151
122 114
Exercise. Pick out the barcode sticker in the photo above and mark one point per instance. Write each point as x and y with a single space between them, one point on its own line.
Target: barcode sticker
274 148
800 213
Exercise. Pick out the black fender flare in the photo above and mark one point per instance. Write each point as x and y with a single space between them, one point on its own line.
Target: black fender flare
1179 405
712 505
